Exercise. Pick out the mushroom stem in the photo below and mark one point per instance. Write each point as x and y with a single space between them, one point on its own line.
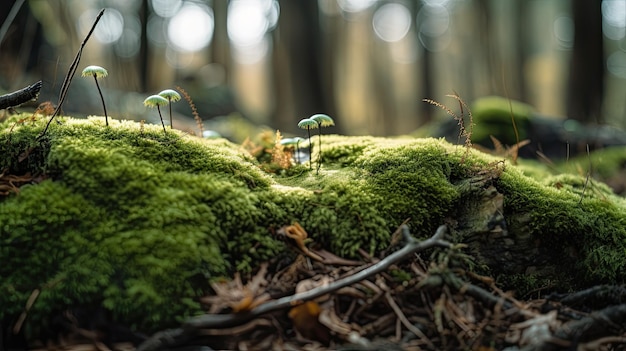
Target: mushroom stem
308 129
319 151
169 99
106 118
162 123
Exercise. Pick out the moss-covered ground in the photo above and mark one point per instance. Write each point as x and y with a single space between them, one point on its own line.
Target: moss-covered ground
140 221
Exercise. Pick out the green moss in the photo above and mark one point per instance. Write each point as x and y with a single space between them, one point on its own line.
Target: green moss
492 116
140 221
585 234
606 164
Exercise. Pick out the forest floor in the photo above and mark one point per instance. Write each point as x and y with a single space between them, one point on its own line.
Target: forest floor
410 298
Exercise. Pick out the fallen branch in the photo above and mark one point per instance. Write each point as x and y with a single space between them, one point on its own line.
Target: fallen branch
173 337
16 98
610 321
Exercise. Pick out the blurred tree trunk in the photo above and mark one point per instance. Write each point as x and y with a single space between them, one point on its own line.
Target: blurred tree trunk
220 48
143 47
521 9
586 80
425 72
300 75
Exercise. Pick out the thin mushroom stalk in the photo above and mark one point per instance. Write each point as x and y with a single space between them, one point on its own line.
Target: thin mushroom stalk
171 96
308 124
322 120
106 117
158 101
97 71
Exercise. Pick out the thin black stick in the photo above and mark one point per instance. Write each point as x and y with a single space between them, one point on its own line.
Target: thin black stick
70 73
10 17
217 321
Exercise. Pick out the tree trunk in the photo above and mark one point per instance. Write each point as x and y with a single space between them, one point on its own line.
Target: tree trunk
298 70
586 82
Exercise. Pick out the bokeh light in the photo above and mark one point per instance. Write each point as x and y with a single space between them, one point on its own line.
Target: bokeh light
156 31
614 19
248 22
110 27
191 28
355 5
166 8
564 31
616 64
433 21
391 22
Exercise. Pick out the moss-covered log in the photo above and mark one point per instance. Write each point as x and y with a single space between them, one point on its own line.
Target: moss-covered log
139 221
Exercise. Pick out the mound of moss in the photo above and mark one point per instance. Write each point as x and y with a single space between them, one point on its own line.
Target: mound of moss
139 221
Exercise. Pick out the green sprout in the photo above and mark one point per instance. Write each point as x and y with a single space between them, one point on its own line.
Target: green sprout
293 142
158 101
171 96
97 71
322 121
308 124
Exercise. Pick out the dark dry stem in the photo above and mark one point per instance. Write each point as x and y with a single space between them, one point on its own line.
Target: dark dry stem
162 123
216 321
106 118
194 111
70 73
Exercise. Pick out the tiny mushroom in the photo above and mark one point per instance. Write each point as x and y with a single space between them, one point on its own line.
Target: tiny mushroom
293 142
322 121
308 124
158 101
97 71
171 96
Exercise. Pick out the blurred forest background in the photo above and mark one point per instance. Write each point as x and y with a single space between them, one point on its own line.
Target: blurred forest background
367 63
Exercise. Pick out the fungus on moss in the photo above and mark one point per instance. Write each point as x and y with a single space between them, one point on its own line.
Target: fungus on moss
308 124
171 96
158 101
193 209
322 121
96 72
293 142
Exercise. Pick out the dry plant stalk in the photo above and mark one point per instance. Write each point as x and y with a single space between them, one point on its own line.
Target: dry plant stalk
194 111
280 156
465 127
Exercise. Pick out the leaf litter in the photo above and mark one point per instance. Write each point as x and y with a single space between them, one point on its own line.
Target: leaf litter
418 297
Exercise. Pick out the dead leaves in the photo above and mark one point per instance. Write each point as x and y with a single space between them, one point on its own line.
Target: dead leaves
235 296
297 238
436 305
10 183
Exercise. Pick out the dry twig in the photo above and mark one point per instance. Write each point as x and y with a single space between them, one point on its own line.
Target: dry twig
192 326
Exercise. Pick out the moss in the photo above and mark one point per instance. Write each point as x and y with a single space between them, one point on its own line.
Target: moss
140 221
585 234
492 116
607 165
